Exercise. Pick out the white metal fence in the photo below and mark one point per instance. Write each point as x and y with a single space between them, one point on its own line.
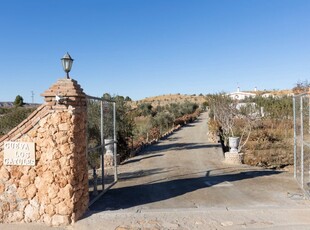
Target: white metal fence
301 110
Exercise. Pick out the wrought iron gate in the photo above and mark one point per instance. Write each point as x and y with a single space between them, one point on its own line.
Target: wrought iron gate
301 108
101 146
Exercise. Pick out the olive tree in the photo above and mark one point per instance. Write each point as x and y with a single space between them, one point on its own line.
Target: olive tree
224 111
19 101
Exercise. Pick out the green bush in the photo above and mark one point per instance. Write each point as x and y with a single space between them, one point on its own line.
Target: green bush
11 117
145 109
19 100
275 107
124 123
161 119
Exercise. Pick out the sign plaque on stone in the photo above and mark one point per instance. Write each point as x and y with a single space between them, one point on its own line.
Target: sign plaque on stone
19 153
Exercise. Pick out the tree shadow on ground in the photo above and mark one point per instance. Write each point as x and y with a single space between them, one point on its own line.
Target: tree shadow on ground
128 197
109 179
143 173
137 159
178 146
173 138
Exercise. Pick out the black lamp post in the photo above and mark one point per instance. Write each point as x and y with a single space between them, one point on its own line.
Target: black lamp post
67 63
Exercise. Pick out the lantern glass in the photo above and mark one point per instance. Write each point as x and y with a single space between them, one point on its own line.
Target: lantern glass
67 63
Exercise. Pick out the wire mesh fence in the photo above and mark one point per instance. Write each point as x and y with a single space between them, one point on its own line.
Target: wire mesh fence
301 105
101 146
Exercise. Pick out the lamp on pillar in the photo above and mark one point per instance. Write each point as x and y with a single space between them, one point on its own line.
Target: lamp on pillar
67 63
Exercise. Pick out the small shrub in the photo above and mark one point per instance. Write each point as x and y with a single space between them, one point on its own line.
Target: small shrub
12 117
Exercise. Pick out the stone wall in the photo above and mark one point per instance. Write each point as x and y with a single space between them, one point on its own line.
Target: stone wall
55 190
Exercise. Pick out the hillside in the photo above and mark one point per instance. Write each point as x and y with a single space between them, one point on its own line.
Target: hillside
163 100
282 92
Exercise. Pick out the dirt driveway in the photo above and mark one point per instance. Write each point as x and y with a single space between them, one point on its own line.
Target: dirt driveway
182 183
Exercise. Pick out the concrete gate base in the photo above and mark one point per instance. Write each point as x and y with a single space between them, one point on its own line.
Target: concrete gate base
233 158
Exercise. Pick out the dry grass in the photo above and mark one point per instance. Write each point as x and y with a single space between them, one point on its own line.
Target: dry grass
163 100
280 93
270 144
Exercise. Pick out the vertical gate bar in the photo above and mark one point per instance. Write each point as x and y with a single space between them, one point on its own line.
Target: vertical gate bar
295 138
302 142
115 145
308 115
307 154
87 131
102 145
87 138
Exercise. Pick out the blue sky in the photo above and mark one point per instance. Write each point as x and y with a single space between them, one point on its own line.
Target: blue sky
141 48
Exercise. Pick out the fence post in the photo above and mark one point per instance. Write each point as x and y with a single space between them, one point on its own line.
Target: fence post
295 138
301 142
102 144
115 142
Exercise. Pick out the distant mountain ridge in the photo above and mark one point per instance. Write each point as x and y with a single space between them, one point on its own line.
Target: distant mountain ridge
8 104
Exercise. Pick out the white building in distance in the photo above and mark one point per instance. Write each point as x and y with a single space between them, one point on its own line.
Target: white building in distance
239 95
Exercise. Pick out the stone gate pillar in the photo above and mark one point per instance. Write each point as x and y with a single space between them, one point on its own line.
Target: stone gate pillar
52 186
67 142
